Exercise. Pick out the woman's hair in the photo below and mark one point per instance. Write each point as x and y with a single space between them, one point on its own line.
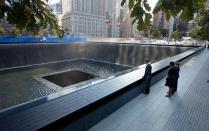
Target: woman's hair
172 63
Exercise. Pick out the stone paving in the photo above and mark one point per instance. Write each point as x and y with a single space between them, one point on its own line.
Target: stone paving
187 110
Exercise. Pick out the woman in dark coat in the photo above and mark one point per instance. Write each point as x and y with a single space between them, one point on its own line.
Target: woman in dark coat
170 79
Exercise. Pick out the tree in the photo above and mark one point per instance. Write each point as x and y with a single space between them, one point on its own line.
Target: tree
194 34
52 32
187 8
176 35
32 15
15 32
1 31
155 34
140 10
203 22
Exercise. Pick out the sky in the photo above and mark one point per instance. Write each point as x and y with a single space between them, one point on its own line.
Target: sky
151 2
53 1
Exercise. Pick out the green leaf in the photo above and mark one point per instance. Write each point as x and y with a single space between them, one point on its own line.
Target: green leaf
32 15
146 5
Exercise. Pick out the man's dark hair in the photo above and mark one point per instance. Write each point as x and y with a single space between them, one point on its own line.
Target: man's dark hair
172 63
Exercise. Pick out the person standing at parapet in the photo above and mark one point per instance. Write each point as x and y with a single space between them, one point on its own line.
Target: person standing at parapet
147 76
170 79
176 70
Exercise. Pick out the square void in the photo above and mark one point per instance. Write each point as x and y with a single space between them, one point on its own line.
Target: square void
69 78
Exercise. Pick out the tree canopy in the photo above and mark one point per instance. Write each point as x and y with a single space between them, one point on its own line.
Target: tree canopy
35 15
1 31
186 8
203 22
32 15
176 35
195 34
156 34
140 10
15 32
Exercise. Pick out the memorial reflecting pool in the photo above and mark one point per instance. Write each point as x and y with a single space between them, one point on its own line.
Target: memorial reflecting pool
71 67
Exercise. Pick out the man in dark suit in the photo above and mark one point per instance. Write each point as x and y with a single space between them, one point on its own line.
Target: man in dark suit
176 70
147 76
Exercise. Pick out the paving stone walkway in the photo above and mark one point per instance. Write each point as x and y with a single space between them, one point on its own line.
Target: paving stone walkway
187 110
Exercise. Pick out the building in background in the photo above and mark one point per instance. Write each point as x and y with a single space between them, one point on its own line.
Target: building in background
159 21
56 7
184 27
57 10
94 18
127 29
173 24
170 26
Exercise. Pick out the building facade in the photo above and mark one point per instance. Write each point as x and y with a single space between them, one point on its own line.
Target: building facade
57 10
159 21
56 7
94 18
127 29
126 26
174 24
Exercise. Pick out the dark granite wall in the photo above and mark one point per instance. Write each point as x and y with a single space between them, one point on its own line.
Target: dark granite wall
28 54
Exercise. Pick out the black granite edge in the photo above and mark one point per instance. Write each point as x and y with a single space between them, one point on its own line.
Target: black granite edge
10 114
143 44
82 43
22 107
